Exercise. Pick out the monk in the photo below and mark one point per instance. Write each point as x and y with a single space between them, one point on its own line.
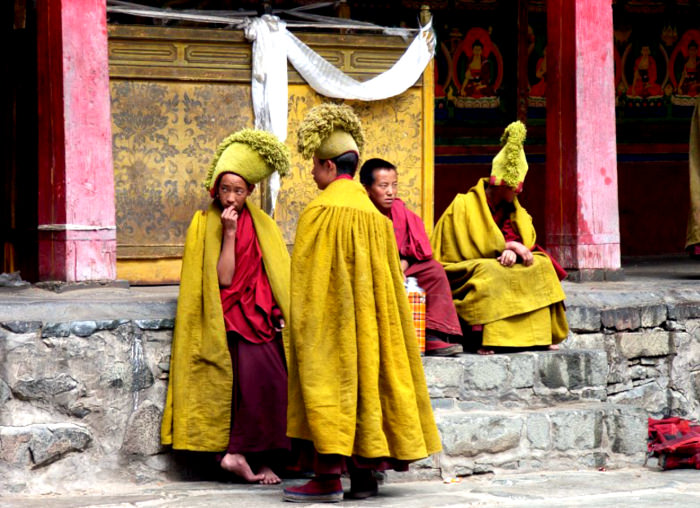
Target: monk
380 179
228 378
503 285
358 400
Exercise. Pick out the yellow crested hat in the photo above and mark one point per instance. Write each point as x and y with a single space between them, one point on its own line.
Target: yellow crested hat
330 130
251 154
509 166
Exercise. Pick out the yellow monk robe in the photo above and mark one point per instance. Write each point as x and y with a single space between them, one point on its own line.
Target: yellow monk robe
519 306
356 381
197 413
693 236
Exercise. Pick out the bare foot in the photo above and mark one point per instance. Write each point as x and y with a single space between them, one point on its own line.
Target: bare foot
485 351
553 347
236 464
270 477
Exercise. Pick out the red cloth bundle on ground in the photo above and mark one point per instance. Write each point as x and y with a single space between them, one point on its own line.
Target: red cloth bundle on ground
675 441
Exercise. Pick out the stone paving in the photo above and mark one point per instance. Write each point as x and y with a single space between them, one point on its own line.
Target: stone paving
645 487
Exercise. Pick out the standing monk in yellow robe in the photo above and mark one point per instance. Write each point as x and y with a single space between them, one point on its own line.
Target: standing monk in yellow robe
227 391
358 400
502 283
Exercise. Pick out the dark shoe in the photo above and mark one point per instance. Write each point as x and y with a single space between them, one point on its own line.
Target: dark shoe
362 485
315 491
438 347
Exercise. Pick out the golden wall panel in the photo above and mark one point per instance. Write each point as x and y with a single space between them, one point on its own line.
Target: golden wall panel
164 136
176 93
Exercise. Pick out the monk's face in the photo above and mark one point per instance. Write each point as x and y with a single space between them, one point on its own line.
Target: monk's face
324 172
501 193
382 192
233 191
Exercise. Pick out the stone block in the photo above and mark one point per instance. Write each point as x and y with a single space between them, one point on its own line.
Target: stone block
538 431
522 370
683 310
83 328
5 392
576 429
627 430
56 330
21 326
485 372
444 376
142 435
573 369
155 324
585 341
583 318
652 397
41 444
621 318
45 389
653 315
470 434
644 344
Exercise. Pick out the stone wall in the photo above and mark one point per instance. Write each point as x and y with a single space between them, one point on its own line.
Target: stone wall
652 343
88 394
81 401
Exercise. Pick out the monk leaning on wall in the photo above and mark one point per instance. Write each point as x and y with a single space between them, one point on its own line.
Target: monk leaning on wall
228 380
442 329
358 399
503 284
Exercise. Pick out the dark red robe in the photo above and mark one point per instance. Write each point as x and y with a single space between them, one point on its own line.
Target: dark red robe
259 408
414 247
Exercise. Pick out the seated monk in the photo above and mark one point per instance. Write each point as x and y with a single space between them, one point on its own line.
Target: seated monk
379 177
227 391
502 284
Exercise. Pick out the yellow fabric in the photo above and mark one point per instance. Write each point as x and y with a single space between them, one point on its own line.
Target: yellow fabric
241 159
197 414
467 241
337 143
509 166
693 236
356 381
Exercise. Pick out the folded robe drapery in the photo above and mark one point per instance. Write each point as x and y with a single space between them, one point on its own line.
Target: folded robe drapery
467 241
356 380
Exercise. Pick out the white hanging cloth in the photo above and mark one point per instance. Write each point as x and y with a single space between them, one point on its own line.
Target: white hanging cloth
273 44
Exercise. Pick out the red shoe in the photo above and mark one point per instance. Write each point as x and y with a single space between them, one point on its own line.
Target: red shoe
315 491
437 347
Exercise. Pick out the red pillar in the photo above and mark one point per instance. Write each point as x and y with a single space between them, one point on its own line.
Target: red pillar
77 233
582 220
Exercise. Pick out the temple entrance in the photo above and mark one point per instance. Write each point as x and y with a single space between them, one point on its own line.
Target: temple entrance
18 163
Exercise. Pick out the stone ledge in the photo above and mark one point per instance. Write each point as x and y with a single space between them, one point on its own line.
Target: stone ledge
570 435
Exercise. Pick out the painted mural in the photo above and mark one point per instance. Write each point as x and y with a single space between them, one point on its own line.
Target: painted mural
656 57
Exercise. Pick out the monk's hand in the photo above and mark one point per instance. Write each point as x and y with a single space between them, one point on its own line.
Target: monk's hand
229 220
507 257
522 251
404 266
280 325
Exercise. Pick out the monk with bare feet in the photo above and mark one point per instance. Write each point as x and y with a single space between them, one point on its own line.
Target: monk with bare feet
228 375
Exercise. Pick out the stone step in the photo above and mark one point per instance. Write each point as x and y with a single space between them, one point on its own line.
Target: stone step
526 379
570 436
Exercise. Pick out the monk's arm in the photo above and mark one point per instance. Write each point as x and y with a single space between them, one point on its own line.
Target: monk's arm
226 267
521 251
